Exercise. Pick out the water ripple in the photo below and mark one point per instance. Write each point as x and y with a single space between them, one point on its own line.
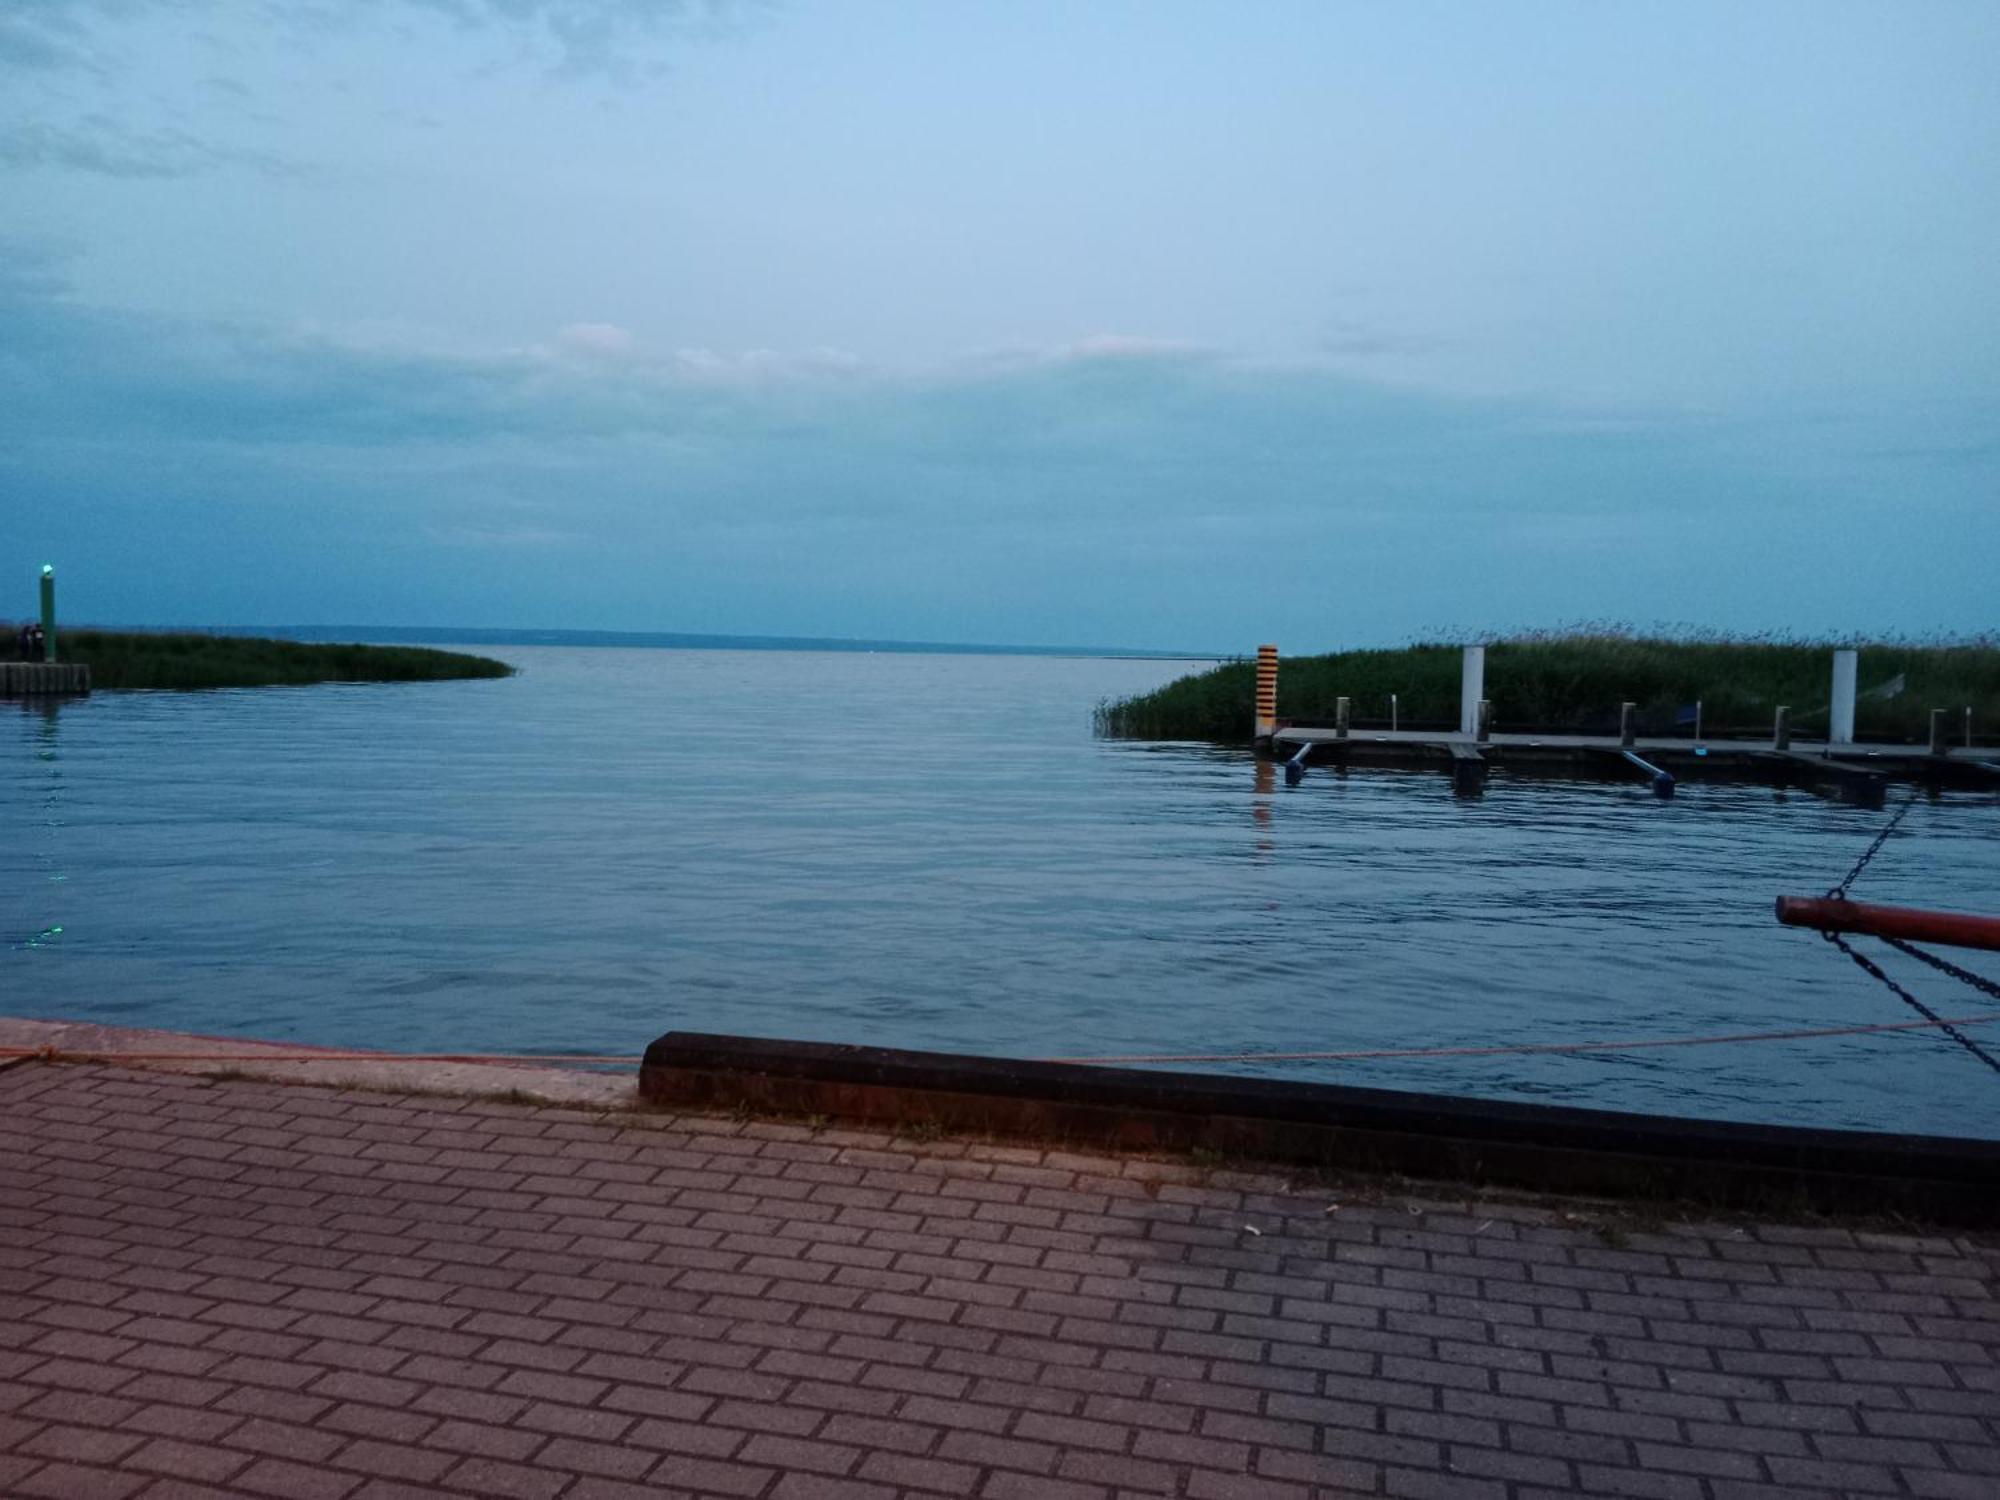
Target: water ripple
933 852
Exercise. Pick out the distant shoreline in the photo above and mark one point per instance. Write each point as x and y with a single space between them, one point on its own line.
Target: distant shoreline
427 635
191 660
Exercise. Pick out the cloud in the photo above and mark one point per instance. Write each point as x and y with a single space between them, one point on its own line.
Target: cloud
46 37
1123 490
575 35
1125 346
596 340
82 95
603 37
104 147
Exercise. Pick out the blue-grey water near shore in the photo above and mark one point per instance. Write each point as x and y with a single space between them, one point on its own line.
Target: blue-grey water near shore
932 851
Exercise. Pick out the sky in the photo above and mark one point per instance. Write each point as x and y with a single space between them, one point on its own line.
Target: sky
1155 324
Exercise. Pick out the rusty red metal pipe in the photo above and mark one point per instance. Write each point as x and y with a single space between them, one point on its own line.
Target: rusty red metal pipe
1912 924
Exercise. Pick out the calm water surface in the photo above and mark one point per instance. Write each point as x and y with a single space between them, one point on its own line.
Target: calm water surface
932 851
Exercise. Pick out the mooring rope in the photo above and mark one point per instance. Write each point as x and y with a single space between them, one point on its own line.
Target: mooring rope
1537 1047
559 1059
64 1054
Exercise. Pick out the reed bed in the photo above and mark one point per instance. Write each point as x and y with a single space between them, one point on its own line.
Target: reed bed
190 659
1559 681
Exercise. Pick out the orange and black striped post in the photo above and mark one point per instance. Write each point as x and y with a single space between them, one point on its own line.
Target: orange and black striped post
1267 692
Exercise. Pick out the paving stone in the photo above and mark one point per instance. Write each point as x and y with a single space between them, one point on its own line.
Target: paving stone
257 1289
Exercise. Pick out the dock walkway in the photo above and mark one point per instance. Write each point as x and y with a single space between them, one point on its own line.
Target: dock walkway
1854 768
246 1288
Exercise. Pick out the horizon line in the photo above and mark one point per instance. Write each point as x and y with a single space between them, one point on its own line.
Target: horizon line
684 639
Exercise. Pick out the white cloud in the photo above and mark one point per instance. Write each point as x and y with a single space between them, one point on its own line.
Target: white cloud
597 340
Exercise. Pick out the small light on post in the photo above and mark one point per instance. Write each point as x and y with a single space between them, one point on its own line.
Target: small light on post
48 612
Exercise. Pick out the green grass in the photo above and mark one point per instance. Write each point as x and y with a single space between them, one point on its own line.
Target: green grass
144 659
1550 681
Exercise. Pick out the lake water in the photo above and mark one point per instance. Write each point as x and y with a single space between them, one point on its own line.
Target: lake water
933 851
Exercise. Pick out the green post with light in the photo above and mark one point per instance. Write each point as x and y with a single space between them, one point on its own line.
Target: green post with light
48 612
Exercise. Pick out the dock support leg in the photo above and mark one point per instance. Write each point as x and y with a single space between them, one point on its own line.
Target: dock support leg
1628 732
1340 718
1295 768
1663 782
1267 692
1471 689
1781 729
1840 730
1468 770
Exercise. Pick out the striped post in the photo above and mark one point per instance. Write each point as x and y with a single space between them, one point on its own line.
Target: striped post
1267 692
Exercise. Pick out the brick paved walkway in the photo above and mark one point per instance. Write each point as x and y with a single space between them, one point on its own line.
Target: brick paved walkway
251 1288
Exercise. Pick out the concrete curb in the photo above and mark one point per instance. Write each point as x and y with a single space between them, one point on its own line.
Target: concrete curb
1547 1148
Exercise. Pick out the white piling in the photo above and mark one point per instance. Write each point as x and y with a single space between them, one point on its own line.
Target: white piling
1845 667
1471 689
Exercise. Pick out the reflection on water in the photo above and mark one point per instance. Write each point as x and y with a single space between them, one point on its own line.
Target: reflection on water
933 852
45 778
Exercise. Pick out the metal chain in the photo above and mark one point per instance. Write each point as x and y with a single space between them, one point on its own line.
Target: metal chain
1870 966
1839 892
1945 965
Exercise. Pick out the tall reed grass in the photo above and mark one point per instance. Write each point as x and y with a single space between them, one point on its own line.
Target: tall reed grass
1575 680
188 659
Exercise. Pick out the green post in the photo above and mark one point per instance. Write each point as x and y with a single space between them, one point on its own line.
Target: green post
48 612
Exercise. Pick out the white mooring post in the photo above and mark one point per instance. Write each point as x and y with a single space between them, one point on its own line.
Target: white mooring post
1471 690
1841 729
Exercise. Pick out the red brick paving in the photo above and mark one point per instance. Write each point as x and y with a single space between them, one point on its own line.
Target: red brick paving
258 1289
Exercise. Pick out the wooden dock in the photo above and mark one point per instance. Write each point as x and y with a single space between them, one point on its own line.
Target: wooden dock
1849 772
43 679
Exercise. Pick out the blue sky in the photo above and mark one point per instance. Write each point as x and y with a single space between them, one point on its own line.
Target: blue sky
1150 324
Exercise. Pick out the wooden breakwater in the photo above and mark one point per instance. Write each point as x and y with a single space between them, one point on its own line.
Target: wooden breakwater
43 679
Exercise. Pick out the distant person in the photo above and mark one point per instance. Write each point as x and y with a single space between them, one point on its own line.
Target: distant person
26 641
